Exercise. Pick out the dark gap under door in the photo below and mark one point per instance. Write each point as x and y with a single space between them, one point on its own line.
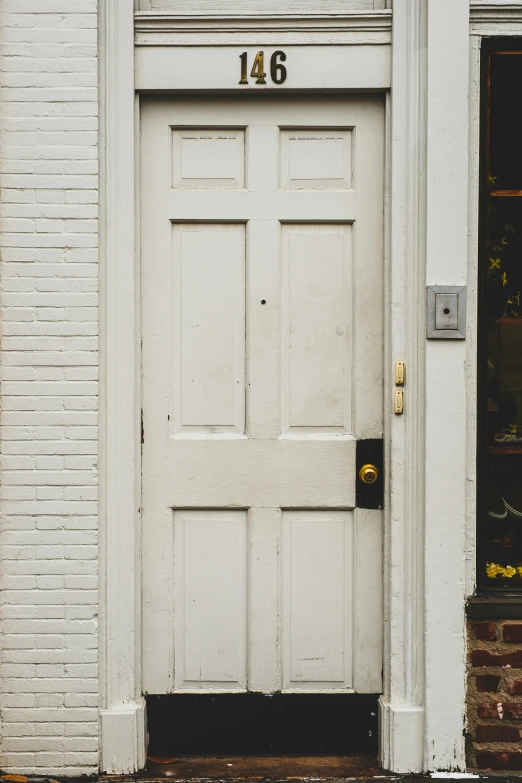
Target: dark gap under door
253 724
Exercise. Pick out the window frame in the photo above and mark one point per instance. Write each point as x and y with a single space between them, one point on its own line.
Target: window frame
489 46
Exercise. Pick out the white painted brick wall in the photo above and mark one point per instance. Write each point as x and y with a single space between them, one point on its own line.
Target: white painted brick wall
49 370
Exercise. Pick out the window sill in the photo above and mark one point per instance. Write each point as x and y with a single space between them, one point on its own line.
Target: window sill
495 607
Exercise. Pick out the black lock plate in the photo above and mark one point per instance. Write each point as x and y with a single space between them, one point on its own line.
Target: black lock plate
370 452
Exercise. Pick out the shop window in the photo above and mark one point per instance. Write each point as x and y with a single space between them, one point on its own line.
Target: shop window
499 565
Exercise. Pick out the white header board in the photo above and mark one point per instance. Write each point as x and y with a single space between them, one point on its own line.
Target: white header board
219 68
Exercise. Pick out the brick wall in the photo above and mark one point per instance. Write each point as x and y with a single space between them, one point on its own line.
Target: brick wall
48 224
495 695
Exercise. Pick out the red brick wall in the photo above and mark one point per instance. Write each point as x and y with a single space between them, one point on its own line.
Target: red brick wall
494 720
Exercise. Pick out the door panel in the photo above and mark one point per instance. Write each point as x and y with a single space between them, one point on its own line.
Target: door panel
210 553
317 587
208 158
262 275
316 158
208 340
316 328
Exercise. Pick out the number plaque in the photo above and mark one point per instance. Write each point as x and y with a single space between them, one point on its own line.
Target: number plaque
277 69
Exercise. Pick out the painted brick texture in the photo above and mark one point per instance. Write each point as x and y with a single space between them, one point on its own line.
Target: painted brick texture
494 722
49 372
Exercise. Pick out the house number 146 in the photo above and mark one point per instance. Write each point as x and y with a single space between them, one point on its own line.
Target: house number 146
277 69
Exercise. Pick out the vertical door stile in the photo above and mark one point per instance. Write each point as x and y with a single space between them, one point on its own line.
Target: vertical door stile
368 395
263 418
158 289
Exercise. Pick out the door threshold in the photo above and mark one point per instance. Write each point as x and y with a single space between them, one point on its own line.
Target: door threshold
262 767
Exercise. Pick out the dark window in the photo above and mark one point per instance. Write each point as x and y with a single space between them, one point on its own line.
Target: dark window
499 565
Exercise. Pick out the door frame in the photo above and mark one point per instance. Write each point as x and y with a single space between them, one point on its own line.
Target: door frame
421 721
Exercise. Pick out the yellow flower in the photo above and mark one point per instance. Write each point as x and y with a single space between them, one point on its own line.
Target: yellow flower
491 570
494 263
495 569
504 278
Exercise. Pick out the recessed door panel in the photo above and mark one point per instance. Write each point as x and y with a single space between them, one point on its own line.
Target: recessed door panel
208 312
317 600
208 158
316 158
316 328
210 555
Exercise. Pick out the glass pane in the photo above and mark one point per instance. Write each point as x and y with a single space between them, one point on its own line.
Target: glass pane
506 121
500 327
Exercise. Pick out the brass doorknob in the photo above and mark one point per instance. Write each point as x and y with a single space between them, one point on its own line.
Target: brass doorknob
369 474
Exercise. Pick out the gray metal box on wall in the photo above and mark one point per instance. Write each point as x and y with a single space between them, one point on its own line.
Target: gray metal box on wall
446 312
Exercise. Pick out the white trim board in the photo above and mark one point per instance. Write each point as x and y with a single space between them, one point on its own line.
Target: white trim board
289 8
423 705
494 13
122 714
445 465
339 20
341 27
495 18
401 705
193 52
206 68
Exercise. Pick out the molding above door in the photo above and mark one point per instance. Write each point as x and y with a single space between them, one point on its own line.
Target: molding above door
494 12
191 29
215 68
199 50
494 18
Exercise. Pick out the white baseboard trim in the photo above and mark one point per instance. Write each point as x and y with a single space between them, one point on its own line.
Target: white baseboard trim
123 739
401 735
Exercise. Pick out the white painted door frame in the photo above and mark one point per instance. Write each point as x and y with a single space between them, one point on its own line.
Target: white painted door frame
423 704
422 709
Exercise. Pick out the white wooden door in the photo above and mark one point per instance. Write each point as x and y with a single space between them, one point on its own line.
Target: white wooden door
262 317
